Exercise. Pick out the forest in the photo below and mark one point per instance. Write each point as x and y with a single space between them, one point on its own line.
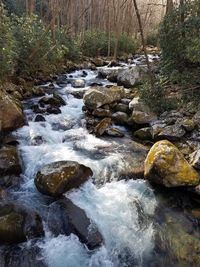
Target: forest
99 133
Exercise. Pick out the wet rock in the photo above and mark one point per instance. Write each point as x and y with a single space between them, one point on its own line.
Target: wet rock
53 110
37 109
65 218
38 91
10 140
8 181
57 178
144 133
102 126
195 159
21 256
122 108
129 77
114 132
18 224
141 112
78 94
78 83
120 118
100 112
39 117
166 165
17 95
11 115
99 96
9 161
172 133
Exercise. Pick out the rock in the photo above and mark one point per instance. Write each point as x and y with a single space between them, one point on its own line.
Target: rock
39 117
57 178
17 95
141 112
18 256
10 140
100 112
18 224
102 126
172 133
37 109
66 218
9 161
98 62
129 77
11 115
122 108
188 125
144 133
157 128
53 110
110 73
99 96
195 159
120 118
38 91
114 132
78 83
166 165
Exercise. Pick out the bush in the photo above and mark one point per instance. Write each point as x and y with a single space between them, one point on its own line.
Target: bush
7 45
155 96
152 39
96 43
180 39
36 50
127 45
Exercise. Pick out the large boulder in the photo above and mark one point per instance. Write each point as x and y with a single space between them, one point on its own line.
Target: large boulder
108 72
18 224
66 218
11 114
172 132
129 77
166 165
9 161
141 114
57 178
99 96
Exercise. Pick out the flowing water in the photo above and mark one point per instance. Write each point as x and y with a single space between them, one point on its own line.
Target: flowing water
123 210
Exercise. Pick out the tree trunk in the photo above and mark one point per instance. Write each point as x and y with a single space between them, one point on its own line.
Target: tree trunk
143 41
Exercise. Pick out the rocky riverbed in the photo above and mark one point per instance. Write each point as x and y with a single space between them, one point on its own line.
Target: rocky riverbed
75 177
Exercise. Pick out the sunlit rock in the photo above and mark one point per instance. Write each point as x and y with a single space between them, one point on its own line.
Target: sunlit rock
57 178
166 165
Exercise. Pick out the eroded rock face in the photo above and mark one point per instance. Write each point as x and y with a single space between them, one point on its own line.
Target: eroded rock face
11 114
166 165
18 224
66 218
99 96
57 178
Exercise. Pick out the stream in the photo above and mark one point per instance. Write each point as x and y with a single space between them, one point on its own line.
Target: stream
128 213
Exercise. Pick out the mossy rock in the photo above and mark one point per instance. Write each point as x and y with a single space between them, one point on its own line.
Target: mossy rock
57 178
166 165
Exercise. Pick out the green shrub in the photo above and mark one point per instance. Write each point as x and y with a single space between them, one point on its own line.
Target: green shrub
7 45
180 40
36 50
127 44
152 39
95 43
155 97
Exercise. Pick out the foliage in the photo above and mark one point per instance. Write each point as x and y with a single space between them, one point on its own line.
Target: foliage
155 97
127 44
96 43
36 50
152 39
180 40
7 45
